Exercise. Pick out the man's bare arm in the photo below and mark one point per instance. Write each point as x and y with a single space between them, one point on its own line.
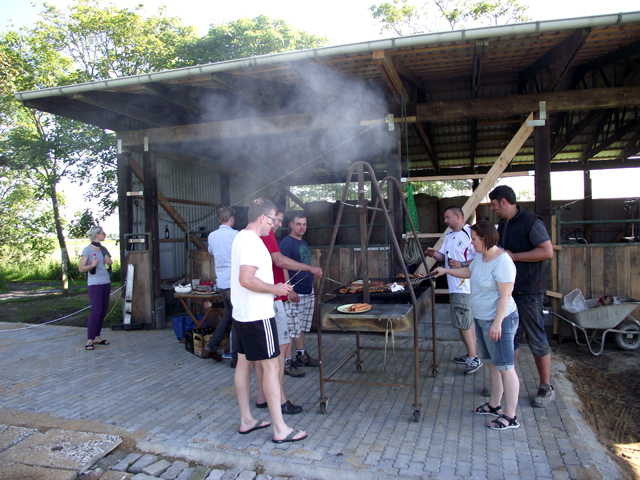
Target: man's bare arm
543 251
249 281
288 264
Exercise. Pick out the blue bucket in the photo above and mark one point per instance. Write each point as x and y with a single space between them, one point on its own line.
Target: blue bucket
183 323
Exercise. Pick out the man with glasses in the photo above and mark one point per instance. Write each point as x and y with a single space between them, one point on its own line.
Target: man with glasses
525 238
254 326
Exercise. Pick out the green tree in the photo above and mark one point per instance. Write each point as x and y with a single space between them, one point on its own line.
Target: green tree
39 148
244 38
442 188
405 18
79 227
26 225
105 42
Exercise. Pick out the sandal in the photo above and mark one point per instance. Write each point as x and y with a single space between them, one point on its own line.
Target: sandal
481 410
496 424
89 346
103 342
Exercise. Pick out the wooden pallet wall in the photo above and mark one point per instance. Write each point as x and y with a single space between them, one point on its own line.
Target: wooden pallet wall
600 270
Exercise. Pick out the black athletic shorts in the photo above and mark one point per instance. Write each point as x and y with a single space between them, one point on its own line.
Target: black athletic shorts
257 340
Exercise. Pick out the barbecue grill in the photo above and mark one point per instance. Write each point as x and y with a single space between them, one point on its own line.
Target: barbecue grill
390 311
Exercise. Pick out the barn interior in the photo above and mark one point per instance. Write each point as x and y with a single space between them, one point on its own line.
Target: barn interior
433 106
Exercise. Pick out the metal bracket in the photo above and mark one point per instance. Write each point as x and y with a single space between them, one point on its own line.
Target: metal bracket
541 118
391 123
146 144
119 145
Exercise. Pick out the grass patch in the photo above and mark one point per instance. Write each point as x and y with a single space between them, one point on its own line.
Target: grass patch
44 308
48 271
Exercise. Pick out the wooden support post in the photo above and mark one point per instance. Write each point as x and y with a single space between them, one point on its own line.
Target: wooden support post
150 169
542 161
394 169
554 271
125 204
587 207
487 182
294 198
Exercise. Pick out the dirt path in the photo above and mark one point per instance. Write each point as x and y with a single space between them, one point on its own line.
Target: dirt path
609 388
36 289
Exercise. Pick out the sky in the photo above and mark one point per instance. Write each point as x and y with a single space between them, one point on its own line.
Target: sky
342 21
349 21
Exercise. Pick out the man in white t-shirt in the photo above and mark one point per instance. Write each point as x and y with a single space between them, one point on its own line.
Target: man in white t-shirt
456 252
254 326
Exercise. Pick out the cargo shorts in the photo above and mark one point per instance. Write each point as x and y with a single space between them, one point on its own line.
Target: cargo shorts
461 317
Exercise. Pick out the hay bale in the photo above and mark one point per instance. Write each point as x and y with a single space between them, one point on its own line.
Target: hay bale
241 218
445 203
427 209
379 233
320 221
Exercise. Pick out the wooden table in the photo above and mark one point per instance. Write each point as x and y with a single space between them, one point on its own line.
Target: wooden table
214 298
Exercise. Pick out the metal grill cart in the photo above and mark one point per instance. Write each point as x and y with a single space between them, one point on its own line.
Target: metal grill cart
400 312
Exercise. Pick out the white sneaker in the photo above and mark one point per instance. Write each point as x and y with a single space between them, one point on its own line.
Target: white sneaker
473 364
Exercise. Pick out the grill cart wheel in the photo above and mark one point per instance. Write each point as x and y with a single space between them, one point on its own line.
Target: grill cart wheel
323 407
359 368
630 340
416 416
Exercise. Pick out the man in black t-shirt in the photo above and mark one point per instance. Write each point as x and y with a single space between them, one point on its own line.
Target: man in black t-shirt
524 237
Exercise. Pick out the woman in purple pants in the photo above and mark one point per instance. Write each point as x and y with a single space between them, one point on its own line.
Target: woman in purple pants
97 262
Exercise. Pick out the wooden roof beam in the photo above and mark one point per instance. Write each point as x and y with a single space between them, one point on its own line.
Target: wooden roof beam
109 102
320 80
479 53
556 62
564 101
622 53
170 95
389 73
632 148
629 127
268 96
425 112
428 144
241 128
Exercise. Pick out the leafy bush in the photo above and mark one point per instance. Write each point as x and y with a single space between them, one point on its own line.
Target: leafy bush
50 271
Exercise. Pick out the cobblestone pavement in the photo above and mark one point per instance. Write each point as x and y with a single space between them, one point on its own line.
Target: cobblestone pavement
178 405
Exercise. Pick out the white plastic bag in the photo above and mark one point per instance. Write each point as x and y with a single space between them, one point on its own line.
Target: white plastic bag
574 302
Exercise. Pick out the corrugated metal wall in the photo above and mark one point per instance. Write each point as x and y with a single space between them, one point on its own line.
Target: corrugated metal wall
185 182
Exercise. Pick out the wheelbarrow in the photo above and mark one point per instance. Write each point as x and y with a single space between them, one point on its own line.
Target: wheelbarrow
614 318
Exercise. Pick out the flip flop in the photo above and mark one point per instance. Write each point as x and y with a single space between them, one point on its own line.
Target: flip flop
104 342
257 426
89 346
290 437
